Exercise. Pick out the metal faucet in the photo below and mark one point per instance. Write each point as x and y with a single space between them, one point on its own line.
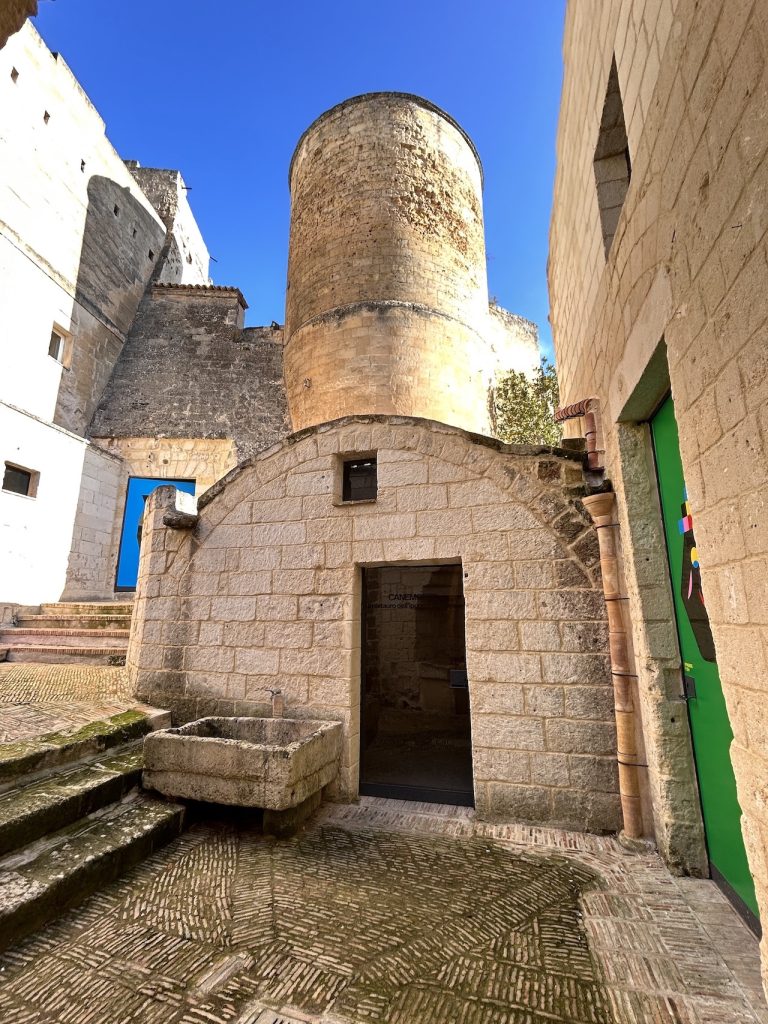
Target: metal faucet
278 703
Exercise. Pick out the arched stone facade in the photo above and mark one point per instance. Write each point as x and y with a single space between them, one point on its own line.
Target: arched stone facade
264 591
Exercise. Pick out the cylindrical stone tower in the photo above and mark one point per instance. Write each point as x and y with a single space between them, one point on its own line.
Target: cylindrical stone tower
387 301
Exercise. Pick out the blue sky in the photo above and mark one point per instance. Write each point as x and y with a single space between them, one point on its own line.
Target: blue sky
222 91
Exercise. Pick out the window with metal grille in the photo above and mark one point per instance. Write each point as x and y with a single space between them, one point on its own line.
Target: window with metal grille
359 480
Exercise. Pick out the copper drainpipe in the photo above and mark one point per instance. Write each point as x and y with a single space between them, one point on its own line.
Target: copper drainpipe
602 509
589 410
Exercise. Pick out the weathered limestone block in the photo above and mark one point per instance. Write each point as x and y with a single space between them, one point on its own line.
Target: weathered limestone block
274 763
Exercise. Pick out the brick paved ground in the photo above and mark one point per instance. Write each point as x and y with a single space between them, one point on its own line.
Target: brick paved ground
37 699
386 913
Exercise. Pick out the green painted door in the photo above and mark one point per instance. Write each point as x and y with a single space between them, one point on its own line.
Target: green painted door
710 727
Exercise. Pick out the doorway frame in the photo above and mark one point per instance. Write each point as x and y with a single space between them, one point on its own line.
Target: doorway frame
401 792
162 482
742 908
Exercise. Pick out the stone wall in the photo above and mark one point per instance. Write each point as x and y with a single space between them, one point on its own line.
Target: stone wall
514 340
184 259
190 370
107 467
387 301
265 593
35 532
680 300
204 460
76 232
96 533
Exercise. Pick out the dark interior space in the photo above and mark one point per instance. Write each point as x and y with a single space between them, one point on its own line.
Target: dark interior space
415 738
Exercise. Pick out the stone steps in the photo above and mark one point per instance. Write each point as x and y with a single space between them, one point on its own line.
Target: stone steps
111 608
72 818
61 638
66 621
28 760
29 812
86 633
57 873
49 654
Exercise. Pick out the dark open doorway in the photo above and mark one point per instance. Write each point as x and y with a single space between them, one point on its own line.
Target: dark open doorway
416 741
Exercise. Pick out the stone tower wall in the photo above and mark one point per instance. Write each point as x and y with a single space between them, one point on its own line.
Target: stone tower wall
387 303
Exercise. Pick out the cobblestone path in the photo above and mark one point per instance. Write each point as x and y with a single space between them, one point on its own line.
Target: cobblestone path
383 914
38 699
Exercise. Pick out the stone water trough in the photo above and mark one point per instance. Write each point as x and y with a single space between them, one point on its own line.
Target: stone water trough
278 764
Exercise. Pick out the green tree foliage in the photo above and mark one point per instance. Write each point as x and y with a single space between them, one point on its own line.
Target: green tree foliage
525 406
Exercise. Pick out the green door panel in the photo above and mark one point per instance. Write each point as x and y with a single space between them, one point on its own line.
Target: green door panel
710 727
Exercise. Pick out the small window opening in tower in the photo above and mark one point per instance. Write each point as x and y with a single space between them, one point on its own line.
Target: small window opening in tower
151 254
116 210
14 75
359 481
134 232
46 117
613 168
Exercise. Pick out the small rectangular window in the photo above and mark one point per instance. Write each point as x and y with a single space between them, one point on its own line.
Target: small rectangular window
56 347
359 481
60 346
19 480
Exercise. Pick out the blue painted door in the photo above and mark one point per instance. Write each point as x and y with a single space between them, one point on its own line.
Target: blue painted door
139 489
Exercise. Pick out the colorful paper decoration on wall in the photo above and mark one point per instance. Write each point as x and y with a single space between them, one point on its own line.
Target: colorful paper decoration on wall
691 592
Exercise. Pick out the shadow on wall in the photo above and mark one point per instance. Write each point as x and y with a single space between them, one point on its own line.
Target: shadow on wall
120 251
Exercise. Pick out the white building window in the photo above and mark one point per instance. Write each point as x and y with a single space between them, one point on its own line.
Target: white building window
60 346
19 480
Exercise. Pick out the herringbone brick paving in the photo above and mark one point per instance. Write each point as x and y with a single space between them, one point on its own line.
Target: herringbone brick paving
391 913
37 699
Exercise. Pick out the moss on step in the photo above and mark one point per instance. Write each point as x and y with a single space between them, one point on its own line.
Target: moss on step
57 748
29 812
90 855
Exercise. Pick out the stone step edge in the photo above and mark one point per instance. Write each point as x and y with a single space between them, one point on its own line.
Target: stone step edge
8 632
68 617
57 641
35 809
95 608
82 652
28 759
63 877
